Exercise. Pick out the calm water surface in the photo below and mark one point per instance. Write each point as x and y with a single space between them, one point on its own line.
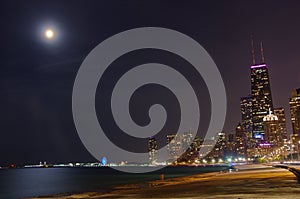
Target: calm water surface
20 183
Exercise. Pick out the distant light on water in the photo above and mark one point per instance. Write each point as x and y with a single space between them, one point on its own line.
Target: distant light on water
104 161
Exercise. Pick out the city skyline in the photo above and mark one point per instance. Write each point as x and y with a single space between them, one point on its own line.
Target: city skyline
37 74
149 99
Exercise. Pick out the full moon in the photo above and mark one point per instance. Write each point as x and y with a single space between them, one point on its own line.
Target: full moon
49 34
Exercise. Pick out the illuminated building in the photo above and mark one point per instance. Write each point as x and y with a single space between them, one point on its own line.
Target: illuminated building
195 146
240 135
191 155
247 125
261 94
186 140
297 122
280 113
221 144
219 148
183 148
174 147
295 110
295 117
152 149
230 146
273 135
206 147
246 113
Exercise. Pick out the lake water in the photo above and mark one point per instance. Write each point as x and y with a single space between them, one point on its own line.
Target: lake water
20 183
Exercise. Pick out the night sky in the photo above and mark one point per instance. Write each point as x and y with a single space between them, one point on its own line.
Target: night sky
37 76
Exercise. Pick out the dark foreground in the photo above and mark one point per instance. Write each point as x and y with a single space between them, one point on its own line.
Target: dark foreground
244 184
32 182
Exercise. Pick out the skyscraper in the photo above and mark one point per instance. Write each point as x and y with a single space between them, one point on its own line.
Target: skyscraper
219 148
240 141
183 147
174 147
246 112
261 94
186 140
192 146
247 126
280 113
297 122
273 135
152 149
230 146
295 110
295 116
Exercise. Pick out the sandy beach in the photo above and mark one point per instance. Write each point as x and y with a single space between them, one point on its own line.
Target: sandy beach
246 182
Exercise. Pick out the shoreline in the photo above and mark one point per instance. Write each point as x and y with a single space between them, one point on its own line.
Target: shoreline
247 182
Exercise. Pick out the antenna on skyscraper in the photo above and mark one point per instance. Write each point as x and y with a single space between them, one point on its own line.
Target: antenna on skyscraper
252 50
262 52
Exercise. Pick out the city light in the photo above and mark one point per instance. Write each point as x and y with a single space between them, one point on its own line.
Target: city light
258 66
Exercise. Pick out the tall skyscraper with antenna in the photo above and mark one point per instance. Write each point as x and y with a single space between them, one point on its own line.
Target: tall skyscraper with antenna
260 92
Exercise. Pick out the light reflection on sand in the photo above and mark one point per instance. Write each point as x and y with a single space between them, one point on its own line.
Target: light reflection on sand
248 182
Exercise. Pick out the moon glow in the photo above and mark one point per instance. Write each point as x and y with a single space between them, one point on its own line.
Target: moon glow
49 34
